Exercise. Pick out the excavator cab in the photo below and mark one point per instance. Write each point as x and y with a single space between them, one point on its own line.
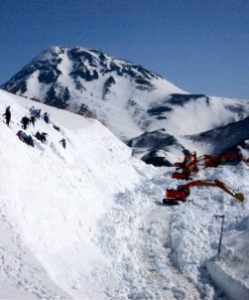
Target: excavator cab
183 175
172 197
191 163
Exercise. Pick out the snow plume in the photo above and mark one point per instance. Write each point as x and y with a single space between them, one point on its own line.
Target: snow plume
222 139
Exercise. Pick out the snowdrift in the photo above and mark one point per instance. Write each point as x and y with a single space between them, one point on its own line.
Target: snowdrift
60 201
195 233
230 271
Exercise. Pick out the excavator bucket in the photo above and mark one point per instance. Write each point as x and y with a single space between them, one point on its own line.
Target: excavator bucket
240 197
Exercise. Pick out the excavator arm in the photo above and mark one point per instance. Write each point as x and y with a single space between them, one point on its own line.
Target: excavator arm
188 158
207 161
183 191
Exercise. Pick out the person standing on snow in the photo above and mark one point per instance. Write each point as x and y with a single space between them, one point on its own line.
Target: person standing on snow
32 120
7 115
63 142
25 122
46 117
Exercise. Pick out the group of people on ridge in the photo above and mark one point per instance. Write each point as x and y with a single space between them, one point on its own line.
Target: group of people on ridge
25 121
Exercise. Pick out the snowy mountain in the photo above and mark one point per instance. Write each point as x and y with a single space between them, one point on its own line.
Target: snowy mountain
152 147
232 135
136 104
83 80
84 222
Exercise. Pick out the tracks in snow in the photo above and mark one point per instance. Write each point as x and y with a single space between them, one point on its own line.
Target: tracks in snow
156 248
164 279
135 235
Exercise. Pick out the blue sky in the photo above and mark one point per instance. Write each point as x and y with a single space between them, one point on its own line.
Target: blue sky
201 46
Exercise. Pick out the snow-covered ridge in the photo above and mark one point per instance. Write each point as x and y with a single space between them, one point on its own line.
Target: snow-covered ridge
87 81
65 73
55 198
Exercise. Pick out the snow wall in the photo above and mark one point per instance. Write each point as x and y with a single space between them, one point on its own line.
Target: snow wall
230 271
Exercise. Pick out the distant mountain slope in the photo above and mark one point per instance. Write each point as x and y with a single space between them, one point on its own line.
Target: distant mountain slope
82 80
224 138
127 98
153 147
186 120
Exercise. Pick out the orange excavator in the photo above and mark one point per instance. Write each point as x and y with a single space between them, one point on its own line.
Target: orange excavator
192 164
188 166
172 197
188 158
210 161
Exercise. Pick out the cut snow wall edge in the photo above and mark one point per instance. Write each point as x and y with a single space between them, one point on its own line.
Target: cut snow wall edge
232 287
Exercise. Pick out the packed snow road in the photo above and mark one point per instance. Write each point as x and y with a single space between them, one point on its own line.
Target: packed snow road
142 245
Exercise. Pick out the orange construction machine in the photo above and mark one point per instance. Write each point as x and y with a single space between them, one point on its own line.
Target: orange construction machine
188 158
210 161
192 164
182 192
188 166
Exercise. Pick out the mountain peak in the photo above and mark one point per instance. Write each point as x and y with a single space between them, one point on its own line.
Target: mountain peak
80 79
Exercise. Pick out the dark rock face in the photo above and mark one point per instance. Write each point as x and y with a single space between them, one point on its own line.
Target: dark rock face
158 110
152 158
58 99
151 143
48 74
158 138
107 86
182 99
224 138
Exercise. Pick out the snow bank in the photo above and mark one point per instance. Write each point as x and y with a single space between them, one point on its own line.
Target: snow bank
230 271
195 232
55 198
233 288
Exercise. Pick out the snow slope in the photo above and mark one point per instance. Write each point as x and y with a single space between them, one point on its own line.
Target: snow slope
57 196
85 222
231 269
76 216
